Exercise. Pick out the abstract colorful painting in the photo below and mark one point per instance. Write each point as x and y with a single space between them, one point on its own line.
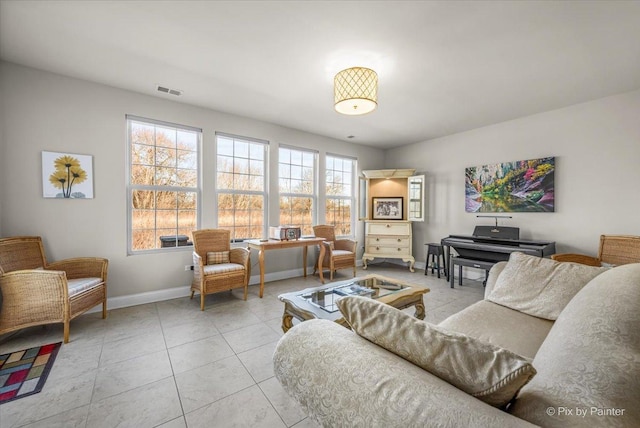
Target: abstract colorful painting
66 175
520 186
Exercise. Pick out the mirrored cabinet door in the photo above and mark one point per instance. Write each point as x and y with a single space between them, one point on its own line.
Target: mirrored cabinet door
416 198
363 198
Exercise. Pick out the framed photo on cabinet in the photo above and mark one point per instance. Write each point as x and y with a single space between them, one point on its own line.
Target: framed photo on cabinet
387 208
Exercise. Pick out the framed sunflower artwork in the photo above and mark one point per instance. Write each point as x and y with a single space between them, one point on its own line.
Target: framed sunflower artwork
67 175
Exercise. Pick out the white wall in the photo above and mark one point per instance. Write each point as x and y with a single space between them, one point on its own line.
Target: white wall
596 144
45 111
597 179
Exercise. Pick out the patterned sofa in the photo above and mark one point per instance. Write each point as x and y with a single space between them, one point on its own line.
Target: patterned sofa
583 341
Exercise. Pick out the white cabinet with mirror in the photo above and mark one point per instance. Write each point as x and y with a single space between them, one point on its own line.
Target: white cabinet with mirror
390 200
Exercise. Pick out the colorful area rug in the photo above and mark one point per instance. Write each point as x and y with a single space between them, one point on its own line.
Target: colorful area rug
24 372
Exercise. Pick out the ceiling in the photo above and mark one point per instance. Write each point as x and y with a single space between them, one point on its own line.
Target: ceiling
444 66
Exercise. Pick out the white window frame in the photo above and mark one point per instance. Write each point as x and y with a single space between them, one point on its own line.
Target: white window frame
351 198
265 185
131 187
313 196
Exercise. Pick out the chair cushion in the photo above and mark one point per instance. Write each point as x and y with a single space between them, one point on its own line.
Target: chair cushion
222 268
79 285
341 253
487 372
540 287
217 257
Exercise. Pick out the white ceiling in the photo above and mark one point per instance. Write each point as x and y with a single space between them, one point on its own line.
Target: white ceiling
444 67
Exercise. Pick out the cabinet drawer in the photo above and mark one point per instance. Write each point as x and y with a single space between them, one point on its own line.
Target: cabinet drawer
388 241
390 251
389 228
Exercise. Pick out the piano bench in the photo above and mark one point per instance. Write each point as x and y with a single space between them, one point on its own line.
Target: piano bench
460 262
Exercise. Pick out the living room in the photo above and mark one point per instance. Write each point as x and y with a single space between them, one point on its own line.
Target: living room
582 109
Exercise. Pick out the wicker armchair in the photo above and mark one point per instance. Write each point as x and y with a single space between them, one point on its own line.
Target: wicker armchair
614 250
340 253
35 292
216 266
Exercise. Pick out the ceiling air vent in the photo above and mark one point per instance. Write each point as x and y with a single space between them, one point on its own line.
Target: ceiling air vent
166 90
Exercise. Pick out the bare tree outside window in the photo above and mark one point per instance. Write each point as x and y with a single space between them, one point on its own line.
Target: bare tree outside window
296 178
240 186
163 183
340 177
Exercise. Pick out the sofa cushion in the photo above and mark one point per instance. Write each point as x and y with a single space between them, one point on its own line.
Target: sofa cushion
487 372
591 358
500 326
217 257
540 287
342 380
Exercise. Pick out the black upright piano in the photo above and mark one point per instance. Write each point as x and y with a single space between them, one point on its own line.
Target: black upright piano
489 245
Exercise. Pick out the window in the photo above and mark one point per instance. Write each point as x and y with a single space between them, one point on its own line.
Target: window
163 184
241 186
340 198
296 173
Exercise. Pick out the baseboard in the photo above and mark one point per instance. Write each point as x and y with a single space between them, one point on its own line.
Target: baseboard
470 274
144 298
183 291
276 276
285 274
416 265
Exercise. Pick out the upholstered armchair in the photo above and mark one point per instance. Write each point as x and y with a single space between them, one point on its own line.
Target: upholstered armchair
35 292
339 253
216 266
613 250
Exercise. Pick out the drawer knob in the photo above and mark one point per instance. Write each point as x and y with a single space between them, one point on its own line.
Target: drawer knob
399 239
388 225
377 239
377 248
399 249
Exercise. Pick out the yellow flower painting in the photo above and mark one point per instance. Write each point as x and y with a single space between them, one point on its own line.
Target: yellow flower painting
67 176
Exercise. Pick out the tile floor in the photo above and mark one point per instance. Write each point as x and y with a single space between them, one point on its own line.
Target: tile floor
170 365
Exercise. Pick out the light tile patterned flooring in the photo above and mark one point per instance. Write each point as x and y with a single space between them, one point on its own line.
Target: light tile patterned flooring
170 365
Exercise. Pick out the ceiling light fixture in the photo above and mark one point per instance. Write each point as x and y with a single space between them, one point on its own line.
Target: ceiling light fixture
355 91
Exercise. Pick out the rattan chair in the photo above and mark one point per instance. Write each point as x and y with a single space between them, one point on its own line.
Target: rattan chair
35 292
215 271
614 250
339 253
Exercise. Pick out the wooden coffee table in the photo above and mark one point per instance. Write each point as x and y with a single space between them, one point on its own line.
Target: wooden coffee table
319 302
